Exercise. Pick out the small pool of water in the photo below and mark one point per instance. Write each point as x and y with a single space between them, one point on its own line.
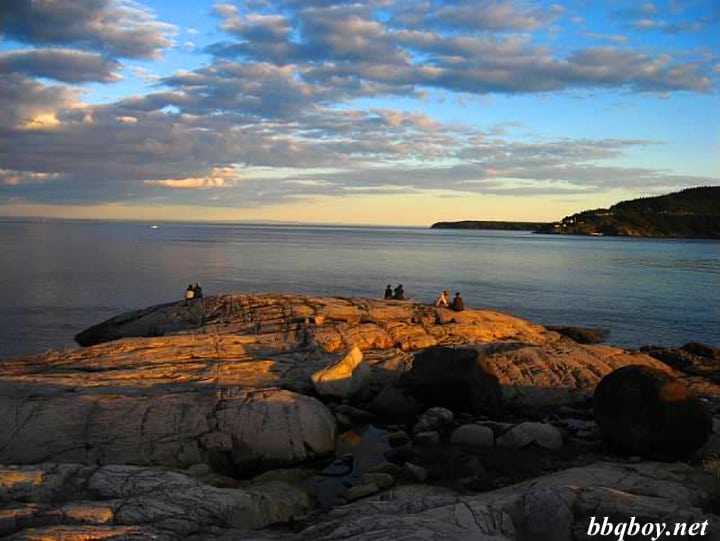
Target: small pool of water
357 451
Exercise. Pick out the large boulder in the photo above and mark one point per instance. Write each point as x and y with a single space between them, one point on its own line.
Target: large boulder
648 412
472 435
236 432
542 434
454 378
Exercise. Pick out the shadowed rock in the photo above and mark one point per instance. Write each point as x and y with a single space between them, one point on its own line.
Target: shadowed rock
555 507
581 335
647 412
70 502
455 379
692 358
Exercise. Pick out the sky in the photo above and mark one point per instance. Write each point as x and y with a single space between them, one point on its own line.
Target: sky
382 112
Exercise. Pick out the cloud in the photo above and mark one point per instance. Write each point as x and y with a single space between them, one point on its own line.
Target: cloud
117 28
352 52
606 37
135 151
24 101
679 27
675 18
494 15
66 65
284 109
219 177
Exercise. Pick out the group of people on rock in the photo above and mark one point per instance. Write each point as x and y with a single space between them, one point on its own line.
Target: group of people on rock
457 304
398 293
193 292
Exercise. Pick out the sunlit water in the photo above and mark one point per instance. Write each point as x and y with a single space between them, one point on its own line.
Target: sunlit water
60 277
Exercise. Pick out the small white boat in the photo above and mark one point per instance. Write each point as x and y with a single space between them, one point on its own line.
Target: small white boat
154 227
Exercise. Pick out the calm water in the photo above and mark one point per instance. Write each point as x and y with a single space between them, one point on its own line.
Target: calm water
60 277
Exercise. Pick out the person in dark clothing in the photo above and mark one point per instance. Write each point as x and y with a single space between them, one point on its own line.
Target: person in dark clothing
189 294
458 304
197 290
399 293
388 292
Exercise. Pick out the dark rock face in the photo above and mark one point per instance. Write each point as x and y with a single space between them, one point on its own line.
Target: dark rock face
457 379
644 411
702 350
692 358
153 321
581 335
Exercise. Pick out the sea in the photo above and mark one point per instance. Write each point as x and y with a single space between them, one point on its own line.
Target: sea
58 277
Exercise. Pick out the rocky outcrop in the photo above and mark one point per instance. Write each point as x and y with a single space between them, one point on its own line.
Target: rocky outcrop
647 412
124 502
224 387
332 323
190 397
692 358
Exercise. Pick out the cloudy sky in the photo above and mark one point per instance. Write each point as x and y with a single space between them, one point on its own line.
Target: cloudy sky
378 112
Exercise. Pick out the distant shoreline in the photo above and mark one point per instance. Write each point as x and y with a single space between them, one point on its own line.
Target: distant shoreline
491 225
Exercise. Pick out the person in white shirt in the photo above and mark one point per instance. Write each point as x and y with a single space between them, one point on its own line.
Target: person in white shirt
442 300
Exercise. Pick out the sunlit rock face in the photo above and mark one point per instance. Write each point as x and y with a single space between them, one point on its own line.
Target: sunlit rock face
344 378
331 323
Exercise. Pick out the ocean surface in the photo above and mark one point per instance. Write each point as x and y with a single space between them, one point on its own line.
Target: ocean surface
59 277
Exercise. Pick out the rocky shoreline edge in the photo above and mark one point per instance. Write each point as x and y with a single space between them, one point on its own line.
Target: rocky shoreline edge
297 417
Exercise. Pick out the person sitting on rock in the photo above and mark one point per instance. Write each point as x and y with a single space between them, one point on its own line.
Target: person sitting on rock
458 304
442 300
197 290
388 292
399 293
189 293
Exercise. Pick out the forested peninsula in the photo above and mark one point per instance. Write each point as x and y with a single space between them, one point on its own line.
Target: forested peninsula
690 213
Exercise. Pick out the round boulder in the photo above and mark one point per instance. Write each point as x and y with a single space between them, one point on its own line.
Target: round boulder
646 412
472 435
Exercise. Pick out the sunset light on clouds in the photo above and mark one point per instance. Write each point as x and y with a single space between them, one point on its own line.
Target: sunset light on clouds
380 112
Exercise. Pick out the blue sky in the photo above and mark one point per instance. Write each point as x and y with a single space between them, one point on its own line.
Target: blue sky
380 112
